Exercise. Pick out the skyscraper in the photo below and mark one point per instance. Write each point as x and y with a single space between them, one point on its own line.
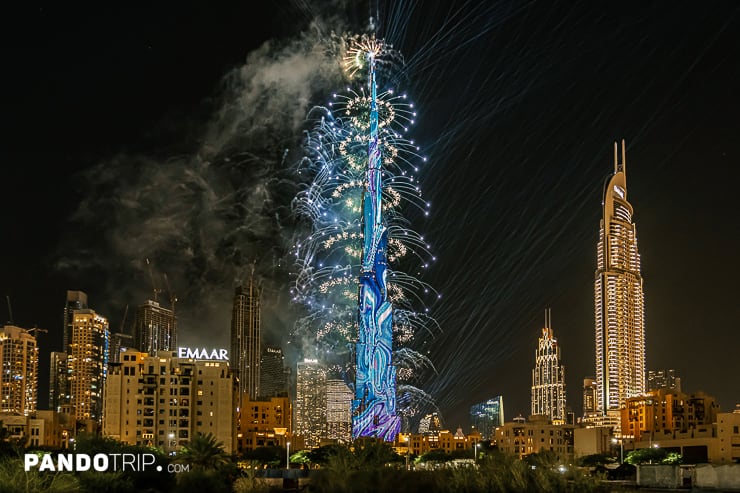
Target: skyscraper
245 338
57 379
548 376
338 411
87 365
488 415
619 301
155 328
76 300
310 402
273 374
19 363
374 405
589 397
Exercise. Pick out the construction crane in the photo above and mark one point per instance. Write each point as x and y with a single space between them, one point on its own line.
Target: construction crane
123 322
36 329
173 299
151 277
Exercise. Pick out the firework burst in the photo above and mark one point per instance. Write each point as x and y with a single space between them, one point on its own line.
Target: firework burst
329 257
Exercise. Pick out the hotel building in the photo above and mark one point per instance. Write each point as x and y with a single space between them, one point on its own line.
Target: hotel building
619 301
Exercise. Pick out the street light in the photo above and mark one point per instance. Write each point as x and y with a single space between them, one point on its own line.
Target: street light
475 452
287 455
408 439
171 443
621 448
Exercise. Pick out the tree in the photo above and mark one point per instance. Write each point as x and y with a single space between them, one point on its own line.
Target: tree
436 455
204 452
653 456
595 460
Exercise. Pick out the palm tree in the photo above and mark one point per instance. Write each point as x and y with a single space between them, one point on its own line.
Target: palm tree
204 452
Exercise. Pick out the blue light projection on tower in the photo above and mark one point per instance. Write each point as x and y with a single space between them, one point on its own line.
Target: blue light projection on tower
374 406
363 319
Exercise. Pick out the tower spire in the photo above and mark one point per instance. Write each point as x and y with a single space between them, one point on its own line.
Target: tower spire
620 166
374 405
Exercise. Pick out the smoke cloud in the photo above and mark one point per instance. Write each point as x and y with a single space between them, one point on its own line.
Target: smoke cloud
210 217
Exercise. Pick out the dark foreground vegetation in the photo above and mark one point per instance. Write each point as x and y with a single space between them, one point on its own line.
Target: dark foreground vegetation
365 467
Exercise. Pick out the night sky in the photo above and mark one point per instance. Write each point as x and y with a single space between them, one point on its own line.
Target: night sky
161 132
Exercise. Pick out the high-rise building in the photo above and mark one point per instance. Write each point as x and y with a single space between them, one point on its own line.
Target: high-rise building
548 376
121 342
57 379
374 405
76 300
245 338
663 379
19 363
310 403
87 365
273 373
589 397
338 411
155 328
487 416
619 300
164 401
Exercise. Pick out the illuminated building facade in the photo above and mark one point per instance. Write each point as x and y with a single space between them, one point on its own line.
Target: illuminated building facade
548 376
155 328
19 363
658 412
264 423
87 365
619 300
245 338
76 300
536 434
164 401
338 411
374 405
310 403
488 415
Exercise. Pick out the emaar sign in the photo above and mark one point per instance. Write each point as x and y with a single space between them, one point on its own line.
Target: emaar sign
202 353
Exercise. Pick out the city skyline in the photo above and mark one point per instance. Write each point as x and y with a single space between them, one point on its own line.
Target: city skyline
523 167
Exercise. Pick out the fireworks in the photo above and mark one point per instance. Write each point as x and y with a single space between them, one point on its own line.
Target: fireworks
329 258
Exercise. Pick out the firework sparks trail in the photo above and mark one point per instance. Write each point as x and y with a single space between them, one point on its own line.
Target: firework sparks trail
510 185
331 257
